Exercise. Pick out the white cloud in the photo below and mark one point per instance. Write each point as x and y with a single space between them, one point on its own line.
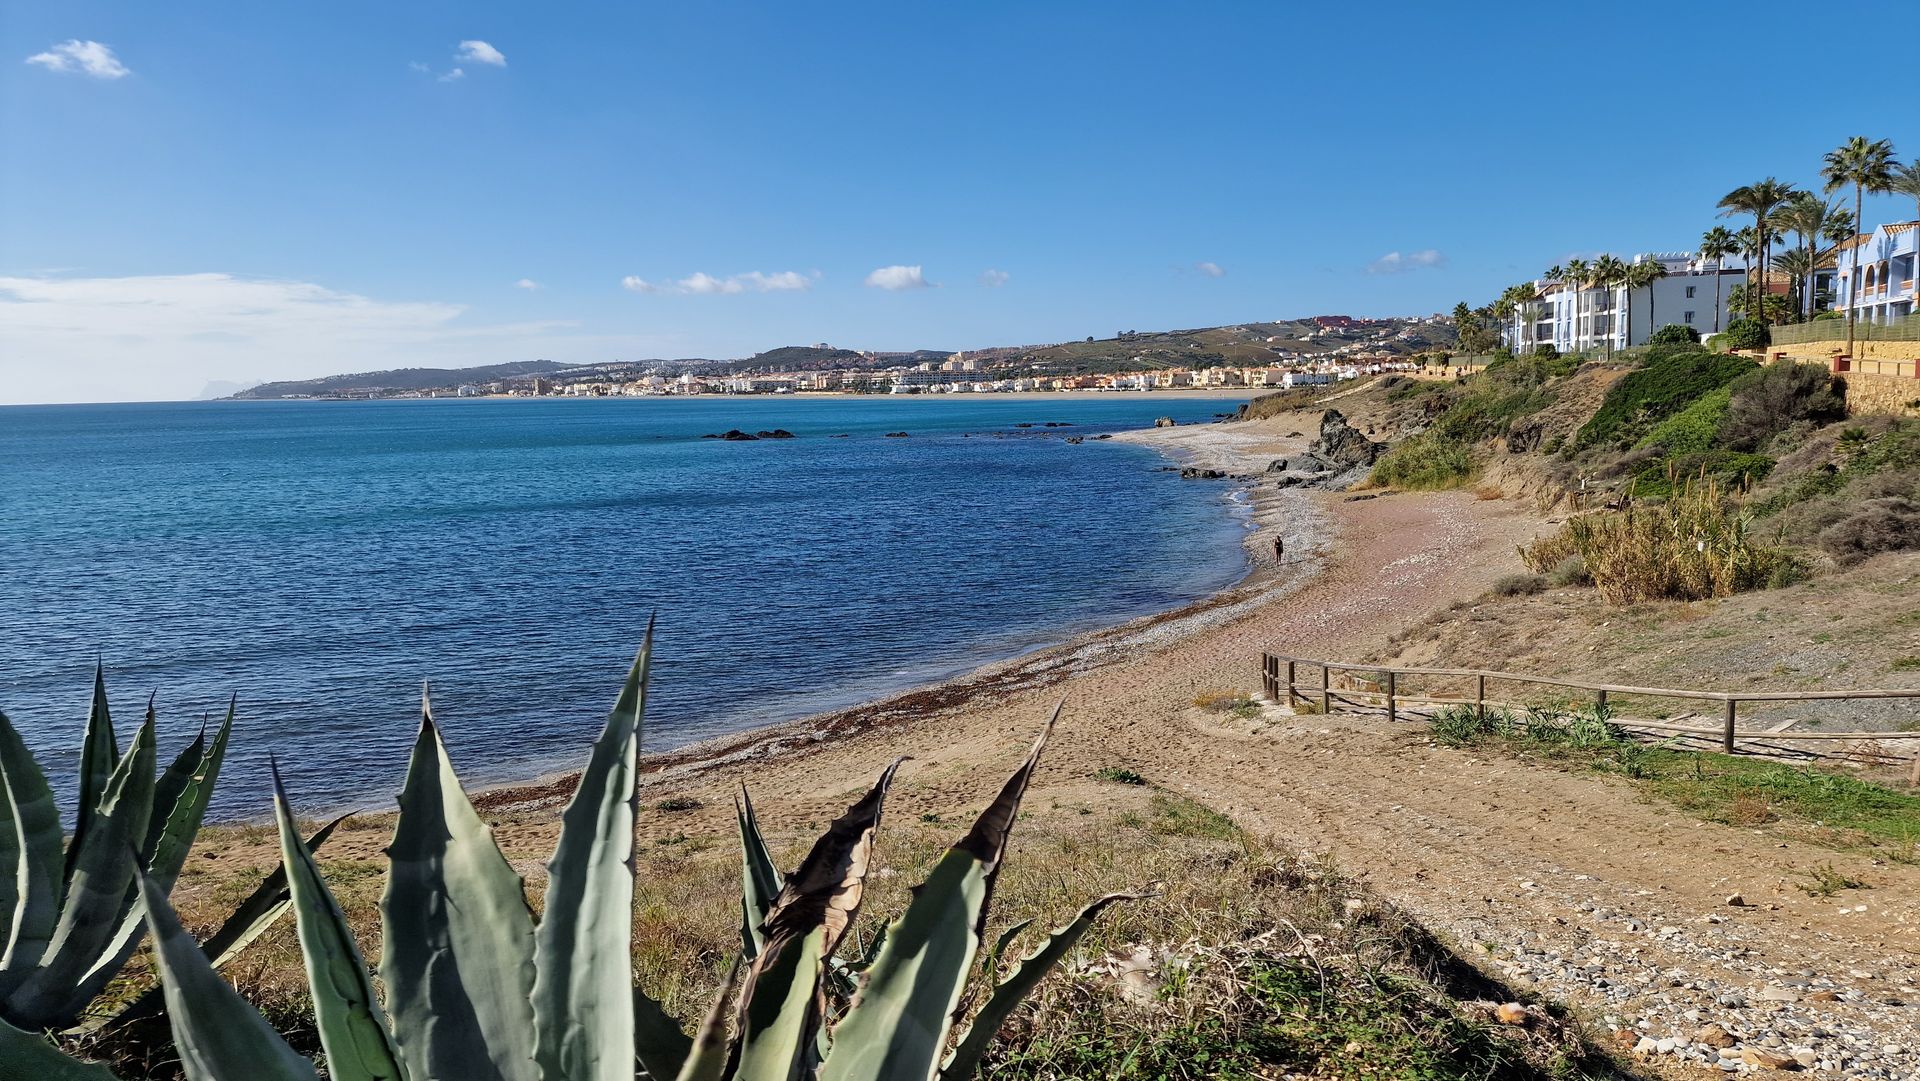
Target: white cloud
898 277
1394 262
479 52
526 283
994 279
81 58
700 283
165 336
1211 270
454 75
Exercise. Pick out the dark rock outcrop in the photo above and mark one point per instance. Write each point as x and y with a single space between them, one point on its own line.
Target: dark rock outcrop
1341 445
896 435
1165 422
733 435
1196 473
777 433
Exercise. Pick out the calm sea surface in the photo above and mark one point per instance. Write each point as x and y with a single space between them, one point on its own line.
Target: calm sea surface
320 559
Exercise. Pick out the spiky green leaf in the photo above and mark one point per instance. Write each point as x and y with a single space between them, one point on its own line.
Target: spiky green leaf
269 901
896 1028
34 872
780 1008
1008 994
707 1060
180 803
352 1028
658 1041
98 881
219 1036
27 1055
456 952
99 754
583 968
760 880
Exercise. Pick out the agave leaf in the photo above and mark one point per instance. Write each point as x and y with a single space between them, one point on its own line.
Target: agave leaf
760 880
352 1029
219 1036
965 1059
658 1042
897 1026
991 966
188 786
456 952
780 1004
99 754
25 1054
32 824
583 952
262 909
707 1061
99 878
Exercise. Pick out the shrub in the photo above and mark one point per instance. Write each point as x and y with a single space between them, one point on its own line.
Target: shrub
1427 460
1692 429
1672 378
1674 334
1571 571
1745 334
1692 547
1519 585
1764 403
1890 524
1118 775
1735 470
1546 351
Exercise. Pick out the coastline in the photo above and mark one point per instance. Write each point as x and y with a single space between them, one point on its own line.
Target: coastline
1298 516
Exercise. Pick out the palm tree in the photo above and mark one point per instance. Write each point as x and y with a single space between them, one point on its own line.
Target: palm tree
1760 200
1798 265
1557 275
1531 311
1868 166
1608 273
1716 244
1906 181
1643 276
1808 215
1578 271
1746 243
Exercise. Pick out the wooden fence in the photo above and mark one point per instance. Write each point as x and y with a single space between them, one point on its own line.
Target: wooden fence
1280 679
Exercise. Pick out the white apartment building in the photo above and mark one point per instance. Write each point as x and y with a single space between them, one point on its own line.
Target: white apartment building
1574 319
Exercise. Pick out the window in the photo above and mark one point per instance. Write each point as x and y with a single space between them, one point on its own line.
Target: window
1688 316
1690 292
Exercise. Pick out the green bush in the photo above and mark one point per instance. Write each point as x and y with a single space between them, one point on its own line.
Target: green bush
1672 378
1692 429
1745 334
1734 469
1674 334
1764 403
1427 460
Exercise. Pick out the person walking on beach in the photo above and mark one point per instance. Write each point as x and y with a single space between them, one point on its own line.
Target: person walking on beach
1279 548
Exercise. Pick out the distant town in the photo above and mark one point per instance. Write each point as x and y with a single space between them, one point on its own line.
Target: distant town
1304 352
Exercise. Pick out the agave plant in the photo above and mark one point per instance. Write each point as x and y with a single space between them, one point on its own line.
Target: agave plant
478 990
68 919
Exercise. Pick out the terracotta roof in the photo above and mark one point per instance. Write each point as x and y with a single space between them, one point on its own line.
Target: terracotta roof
1853 242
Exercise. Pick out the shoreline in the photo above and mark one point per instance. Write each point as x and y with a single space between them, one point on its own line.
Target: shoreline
1295 514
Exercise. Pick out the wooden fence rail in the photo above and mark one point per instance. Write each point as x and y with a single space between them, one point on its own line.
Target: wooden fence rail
1280 679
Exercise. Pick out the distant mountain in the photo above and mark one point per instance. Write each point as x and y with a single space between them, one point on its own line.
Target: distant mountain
398 379
223 388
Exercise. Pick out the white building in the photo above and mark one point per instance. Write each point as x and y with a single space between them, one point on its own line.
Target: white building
1575 319
1874 273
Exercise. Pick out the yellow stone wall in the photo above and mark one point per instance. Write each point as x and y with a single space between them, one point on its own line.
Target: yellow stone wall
1889 394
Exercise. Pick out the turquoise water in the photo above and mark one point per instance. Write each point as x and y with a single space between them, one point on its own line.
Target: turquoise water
321 559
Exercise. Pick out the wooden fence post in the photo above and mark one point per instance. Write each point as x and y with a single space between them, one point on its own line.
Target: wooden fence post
1480 698
1913 780
1326 694
1600 702
1290 694
1392 713
1726 739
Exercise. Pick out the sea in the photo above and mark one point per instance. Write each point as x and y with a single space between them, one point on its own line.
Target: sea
318 562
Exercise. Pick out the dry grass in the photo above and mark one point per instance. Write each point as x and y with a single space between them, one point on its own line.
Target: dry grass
1244 963
1694 546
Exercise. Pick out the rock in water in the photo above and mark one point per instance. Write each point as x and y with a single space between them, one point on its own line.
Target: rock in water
1341 444
735 435
1195 473
1165 422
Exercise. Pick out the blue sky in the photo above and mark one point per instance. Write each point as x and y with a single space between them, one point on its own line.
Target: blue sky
251 191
